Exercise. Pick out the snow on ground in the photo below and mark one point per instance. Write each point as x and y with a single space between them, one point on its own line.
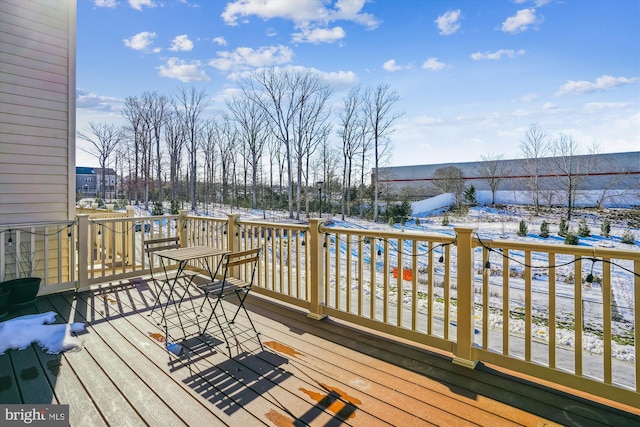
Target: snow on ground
496 223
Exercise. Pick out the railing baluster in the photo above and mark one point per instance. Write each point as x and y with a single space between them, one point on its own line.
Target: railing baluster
552 311
414 286
606 319
579 318
527 306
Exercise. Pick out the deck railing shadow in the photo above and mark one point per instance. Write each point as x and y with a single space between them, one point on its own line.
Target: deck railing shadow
234 383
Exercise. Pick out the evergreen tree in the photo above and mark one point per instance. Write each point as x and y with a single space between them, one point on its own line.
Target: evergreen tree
564 228
522 229
583 228
605 228
544 229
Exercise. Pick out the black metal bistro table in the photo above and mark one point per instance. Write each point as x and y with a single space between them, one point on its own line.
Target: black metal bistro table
202 255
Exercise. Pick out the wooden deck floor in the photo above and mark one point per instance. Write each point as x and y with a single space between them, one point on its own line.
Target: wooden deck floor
318 373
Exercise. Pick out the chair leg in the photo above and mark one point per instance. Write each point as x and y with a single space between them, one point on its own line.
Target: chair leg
157 303
241 305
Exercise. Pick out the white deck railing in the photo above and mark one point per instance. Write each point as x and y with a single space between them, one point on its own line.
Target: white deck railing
566 314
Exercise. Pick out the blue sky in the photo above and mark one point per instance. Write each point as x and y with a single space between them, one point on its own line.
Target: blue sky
472 76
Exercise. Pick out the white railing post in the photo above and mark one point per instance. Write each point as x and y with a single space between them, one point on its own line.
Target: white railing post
463 351
83 251
316 254
182 227
233 239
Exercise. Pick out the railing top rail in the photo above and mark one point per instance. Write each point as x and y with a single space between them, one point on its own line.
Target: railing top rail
406 235
291 226
586 251
137 218
19 226
210 218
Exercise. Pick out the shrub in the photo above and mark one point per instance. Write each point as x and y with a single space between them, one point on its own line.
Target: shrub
175 207
628 237
391 222
522 228
418 221
583 228
445 219
544 229
470 195
571 238
157 209
605 228
563 228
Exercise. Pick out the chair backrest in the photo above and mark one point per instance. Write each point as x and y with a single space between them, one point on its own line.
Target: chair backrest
160 244
241 258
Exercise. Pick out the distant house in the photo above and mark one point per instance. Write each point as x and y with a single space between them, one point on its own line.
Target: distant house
89 182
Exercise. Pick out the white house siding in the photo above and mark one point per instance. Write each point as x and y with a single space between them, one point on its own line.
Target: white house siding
37 111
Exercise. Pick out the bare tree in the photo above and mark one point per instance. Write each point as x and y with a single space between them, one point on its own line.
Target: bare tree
133 113
450 179
252 123
350 133
104 139
311 128
275 91
493 171
534 147
287 96
226 137
191 103
156 113
174 141
380 117
572 169
209 148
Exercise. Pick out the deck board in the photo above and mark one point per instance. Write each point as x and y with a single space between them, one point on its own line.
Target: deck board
307 372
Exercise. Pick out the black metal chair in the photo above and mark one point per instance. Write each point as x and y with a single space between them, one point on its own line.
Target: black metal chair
150 247
238 273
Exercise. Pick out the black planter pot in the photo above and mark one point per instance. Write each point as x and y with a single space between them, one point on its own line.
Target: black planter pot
23 290
4 301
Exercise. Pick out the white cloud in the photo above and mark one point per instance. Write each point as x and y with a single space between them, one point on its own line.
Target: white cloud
181 43
105 3
391 66
246 57
337 80
537 3
220 41
433 64
91 101
141 41
139 4
301 12
521 21
529 97
181 70
449 23
319 35
498 54
549 106
599 106
573 87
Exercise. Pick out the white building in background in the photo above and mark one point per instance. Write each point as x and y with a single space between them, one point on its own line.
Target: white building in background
614 177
